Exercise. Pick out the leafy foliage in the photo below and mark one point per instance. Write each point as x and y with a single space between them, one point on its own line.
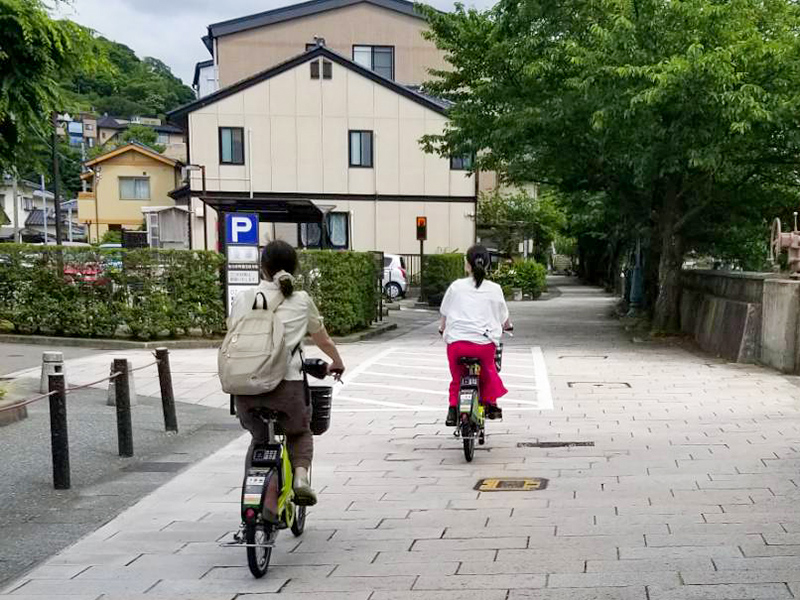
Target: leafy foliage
146 293
131 86
141 134
510 219
438 272
36 52
344 287
526 275
671 116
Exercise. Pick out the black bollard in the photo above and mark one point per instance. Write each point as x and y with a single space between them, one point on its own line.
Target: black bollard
59 439
123 398
167 394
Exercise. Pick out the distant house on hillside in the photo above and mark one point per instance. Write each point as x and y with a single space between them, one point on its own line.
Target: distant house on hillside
29 198
169 136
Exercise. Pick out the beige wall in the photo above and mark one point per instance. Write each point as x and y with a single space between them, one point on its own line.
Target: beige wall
128 213
248 52
299 139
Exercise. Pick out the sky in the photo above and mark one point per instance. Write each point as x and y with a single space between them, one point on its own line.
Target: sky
170 30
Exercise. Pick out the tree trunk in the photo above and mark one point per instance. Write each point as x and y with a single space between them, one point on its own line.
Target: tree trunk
667 309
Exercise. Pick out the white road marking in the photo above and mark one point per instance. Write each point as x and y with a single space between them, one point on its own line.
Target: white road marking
385 403
422 368
525 362
400 387
543 393
360 369
438 379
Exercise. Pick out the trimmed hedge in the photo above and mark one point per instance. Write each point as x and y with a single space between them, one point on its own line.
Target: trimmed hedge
103 293
527 275
438 272
344 286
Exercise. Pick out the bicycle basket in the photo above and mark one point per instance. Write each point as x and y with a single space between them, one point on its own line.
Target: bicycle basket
321 399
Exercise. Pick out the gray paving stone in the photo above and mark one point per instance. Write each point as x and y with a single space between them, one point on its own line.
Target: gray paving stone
721 592
436 556
345 584
539 564
759 563
733 576
437 568
620 593
670 552
641 565
440 595
656 541
480 582
456 545
664 579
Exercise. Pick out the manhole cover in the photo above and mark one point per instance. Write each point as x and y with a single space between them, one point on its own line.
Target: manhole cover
156 467
505 484
608 385
552 444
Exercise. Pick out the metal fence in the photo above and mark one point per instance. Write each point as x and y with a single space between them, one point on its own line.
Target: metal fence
413 267
378 258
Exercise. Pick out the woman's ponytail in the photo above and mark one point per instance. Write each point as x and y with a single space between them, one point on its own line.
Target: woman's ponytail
478 259
286 284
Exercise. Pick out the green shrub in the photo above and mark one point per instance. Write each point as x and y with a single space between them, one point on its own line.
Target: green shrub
344 286
526 275
438 272
101 293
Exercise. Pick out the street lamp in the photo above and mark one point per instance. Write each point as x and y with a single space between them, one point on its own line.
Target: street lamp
202 169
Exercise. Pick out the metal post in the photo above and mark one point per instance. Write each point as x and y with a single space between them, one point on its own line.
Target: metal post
56 182
167 395
15 208
44 206
59 440
421 271
205 207
123 397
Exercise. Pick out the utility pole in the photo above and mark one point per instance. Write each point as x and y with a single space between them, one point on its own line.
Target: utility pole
56 186
15 208
44 206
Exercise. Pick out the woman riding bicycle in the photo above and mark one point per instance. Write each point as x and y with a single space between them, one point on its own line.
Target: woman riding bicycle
474 314
299 316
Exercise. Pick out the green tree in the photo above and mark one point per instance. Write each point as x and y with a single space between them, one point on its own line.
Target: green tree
673 115
36 52
509 219
140 134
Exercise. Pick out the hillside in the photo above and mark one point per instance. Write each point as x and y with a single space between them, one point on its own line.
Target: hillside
129 86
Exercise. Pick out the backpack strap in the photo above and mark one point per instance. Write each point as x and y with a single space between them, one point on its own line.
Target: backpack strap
266 306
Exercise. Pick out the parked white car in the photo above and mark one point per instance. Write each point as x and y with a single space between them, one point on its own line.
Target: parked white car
395 282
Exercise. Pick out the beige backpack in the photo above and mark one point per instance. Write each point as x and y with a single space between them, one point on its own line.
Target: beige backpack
253 358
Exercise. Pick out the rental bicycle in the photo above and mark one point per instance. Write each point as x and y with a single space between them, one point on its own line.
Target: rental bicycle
268 501
471 425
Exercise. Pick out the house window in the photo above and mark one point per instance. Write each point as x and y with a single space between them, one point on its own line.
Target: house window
314 69
163 139
88 127
361 149
231 145
327 69
338 226
461 163
379 59
134 188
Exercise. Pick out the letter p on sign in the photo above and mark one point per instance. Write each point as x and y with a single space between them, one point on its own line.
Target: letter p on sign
241 228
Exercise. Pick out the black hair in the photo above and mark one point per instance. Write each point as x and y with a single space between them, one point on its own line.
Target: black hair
478 259
279 256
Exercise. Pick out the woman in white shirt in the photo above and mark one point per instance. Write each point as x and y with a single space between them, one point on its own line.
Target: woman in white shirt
300 316
474 314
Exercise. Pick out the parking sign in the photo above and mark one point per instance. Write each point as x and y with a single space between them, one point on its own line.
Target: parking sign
241 228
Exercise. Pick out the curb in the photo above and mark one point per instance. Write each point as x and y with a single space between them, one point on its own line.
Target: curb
105 344
12 415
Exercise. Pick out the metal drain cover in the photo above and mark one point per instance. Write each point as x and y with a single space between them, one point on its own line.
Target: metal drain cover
608 385
156 467
507 484
593 356
552 444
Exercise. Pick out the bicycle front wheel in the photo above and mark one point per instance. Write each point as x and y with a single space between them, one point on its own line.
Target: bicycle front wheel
257 536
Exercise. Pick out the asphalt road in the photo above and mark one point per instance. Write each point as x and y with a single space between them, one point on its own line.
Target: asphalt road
16 357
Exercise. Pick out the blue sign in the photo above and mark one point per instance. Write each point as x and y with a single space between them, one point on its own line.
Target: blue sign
241 228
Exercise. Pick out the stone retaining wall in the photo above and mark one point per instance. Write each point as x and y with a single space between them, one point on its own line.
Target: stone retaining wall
743 317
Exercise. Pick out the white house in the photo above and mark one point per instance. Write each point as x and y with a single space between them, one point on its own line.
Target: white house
29 198
320 135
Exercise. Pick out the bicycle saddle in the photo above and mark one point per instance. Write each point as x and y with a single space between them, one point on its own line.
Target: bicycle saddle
266 414
469 360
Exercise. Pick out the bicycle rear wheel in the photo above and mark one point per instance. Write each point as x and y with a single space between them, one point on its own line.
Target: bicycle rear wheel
299 520
468 437
257 535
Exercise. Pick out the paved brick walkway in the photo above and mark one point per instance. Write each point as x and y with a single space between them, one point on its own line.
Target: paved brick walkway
688 492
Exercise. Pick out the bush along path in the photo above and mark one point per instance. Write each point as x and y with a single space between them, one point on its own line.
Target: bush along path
147 294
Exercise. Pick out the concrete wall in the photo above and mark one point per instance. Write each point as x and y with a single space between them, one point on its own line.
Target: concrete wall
744 317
